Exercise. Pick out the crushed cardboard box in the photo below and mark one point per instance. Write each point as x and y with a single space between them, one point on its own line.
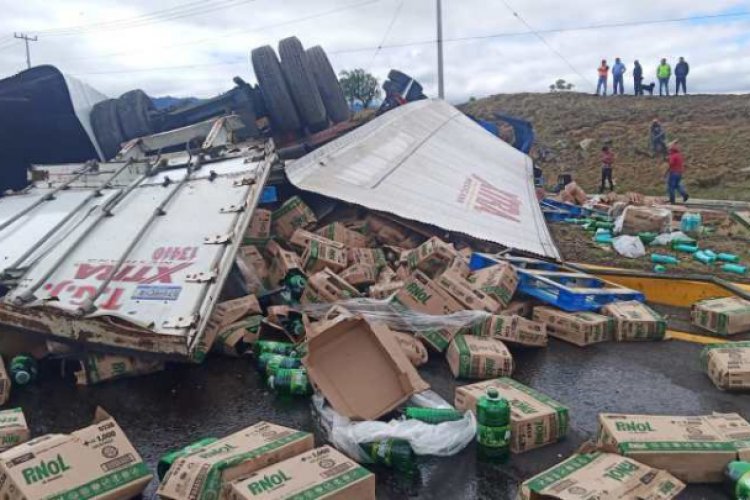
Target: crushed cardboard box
327 286
253 268
422 295
322 473
521 308
579 328
478 357
360 368
386 231
283 262
694 449
13 428
432 257
236 338
96 368
635 321
205 472
727 316
360 275
384 291
601 475
259 229
367 256
5 383
728 365
292 215
336 231
97 462
412 347
301 240
499 281
319 256
536 419
511 329
224 314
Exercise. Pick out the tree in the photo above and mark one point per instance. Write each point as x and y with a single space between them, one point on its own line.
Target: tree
359 85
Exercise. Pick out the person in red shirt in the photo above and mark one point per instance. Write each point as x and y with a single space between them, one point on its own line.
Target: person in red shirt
608 159
674 173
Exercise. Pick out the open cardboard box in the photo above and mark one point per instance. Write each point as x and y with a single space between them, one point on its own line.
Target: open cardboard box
360 368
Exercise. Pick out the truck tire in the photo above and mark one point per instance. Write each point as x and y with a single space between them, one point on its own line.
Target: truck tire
302 84
133 110
106 127
279 105
328 85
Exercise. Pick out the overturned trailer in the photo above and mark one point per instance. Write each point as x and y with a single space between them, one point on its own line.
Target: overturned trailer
131 254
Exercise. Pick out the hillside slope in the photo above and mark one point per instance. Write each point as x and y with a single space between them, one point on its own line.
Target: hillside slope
714 131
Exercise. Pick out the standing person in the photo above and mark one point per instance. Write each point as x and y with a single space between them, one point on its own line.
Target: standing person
618 70
664 73
658 138
681 71
674 173
638 78
608 160
603 72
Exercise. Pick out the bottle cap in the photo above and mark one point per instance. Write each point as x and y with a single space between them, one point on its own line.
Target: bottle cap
22 377
492 393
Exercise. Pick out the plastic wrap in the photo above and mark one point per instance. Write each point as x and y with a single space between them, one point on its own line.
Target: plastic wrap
629 246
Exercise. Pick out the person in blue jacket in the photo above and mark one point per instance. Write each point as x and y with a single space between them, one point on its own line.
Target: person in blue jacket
681 72
618 70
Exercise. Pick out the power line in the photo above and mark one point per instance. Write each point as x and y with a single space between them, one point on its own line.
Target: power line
544 41
146 19
227 34
388 29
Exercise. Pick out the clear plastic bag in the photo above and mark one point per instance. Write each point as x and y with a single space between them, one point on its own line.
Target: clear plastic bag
629 246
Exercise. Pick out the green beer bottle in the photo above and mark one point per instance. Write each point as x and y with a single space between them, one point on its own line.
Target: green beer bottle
290 382
166 461
271 347
433 415
493 419
394 453
23 369
277 361
737 480
295 282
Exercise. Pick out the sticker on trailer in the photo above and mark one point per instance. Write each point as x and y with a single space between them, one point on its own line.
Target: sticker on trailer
156 292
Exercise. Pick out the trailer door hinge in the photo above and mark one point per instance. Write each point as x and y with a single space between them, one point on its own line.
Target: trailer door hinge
201 277
180 321
218 239
233 208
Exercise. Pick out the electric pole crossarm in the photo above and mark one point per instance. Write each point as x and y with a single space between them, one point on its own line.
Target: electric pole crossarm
27 39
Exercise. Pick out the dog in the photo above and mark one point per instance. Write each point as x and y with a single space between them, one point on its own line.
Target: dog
648 88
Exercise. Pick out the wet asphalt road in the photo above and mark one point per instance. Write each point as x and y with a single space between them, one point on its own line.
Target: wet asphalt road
163 411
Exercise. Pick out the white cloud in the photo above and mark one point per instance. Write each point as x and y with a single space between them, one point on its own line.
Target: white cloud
216 45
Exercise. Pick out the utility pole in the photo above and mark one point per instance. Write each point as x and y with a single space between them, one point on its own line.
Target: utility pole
441 83
27 39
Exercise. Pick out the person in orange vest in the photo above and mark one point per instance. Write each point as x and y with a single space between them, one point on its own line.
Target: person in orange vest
603 72
674 173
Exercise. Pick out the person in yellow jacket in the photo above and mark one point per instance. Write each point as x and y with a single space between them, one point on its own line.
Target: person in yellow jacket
664 73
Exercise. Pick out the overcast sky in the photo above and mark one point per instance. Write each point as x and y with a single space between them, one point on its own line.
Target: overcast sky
194 48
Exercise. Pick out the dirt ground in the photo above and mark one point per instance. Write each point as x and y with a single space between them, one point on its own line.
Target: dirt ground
713 131
578 246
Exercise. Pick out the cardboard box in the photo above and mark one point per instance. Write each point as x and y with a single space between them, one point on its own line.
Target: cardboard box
478 357
387 275
236 338
432 257
459 266
728 365
5 383
322 473
319 256
224 314
694 449
360 275
292 215
259 229
96 368
13 428
536 420
646 220
601 475
253 268
282 263
467 293
521 308
96 462
301 239
360 368
635 321
385 231
581 328
327 286
499 281
367 256
412 347
204 472
422 295
726 316
385 290
339 232
510 329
